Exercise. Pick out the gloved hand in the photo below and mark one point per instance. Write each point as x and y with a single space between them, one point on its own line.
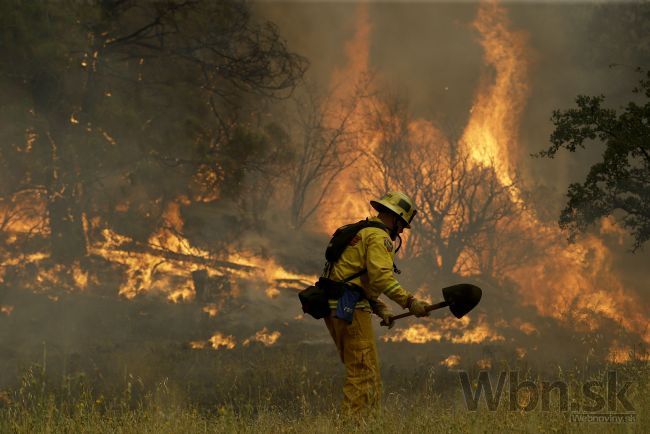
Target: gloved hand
418 307
387 320
384 312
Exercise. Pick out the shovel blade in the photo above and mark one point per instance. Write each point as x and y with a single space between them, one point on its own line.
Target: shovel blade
462 298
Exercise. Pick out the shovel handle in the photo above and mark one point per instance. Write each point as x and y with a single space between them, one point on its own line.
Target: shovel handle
428 309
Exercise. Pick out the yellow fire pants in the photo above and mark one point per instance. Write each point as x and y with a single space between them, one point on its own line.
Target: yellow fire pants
356 345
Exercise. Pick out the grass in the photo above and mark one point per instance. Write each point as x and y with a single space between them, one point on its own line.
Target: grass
427 416
284 390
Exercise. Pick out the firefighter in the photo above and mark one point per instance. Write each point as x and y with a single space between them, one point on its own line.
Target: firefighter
373 248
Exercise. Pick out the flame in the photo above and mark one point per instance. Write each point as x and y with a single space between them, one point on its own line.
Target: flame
526 327
148 272
345 201
274 276
264 337
490 135
211 309
6 310
205 184
620 354
484 364
568 283
151 272
574 284
454 331
198 345
218 340
357 53
23 214
609 226
80 276
451 361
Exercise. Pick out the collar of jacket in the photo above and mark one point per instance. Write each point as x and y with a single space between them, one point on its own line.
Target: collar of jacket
377 219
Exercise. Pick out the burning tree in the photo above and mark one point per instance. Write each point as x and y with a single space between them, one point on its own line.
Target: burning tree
463 207
326 143
119 105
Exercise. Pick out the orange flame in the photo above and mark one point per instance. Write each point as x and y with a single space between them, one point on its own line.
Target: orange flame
219 340
484 364
211 309
454 331
6 310
264 337
451 361
198 345
490 135
567 281
620 354
347 203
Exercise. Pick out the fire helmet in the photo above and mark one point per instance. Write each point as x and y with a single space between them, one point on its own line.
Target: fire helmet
398 203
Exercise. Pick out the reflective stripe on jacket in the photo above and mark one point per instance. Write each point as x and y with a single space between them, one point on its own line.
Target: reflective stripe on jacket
373 249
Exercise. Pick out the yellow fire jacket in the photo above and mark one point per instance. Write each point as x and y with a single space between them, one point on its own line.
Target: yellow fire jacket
372 249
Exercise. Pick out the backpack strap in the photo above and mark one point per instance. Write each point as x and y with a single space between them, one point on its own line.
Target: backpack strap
355 275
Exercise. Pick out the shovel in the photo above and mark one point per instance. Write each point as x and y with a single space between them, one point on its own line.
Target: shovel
460 298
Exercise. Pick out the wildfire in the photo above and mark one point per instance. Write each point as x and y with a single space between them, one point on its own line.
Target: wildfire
569 283
211 309
264 337
620 354
491 133
80 276
451 361
484 364
526 327
455 331
198 345
575 284
348 203
274 276
23 213
219 340
162 266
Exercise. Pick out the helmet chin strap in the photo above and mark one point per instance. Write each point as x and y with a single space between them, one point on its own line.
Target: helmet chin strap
395 235
393 229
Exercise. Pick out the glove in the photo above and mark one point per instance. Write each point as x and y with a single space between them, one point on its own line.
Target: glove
387 320
384 312
418 307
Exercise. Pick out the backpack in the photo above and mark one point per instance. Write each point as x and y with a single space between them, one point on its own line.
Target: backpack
344 235
315 299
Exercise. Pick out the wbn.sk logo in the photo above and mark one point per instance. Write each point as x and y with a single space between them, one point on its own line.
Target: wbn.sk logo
600 401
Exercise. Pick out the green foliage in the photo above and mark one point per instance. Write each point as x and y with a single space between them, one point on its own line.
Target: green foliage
619 184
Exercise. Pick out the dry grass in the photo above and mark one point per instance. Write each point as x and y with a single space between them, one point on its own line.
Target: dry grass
284 397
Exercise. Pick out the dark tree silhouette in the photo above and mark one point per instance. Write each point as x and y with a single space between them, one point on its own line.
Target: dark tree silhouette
618 185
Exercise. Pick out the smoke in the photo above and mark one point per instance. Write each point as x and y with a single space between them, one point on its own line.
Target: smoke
429 54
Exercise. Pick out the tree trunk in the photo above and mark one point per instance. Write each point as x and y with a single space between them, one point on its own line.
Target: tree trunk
67 237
